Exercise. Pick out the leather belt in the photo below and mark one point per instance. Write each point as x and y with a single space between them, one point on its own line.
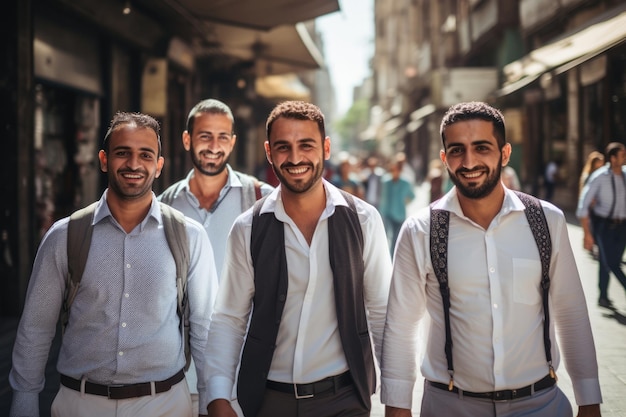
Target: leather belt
314 388
120 392
504 395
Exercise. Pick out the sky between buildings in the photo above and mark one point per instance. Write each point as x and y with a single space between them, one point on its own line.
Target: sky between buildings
348 47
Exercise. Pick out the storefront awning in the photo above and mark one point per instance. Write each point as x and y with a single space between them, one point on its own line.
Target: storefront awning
256 14
581 46
284 49
282 87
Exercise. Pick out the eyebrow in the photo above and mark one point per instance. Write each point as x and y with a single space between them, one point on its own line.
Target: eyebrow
126 148
474 143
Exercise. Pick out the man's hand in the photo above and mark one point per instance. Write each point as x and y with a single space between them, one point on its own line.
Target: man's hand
220 408
588 241
592 410
397 412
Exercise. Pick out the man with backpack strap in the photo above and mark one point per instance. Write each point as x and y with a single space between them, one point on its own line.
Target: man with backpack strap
122 351
213 193
496 283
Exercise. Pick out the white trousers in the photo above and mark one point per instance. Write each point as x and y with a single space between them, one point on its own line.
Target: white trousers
175 402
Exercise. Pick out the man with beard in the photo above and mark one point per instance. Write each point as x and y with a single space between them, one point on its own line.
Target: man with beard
308 269
213 193
121 352
480 282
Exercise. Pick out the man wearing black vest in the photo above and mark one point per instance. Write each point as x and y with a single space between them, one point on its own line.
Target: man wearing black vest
308 268
495 273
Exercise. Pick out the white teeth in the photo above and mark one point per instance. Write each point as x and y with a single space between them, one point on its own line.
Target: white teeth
297 170
472 175
132 176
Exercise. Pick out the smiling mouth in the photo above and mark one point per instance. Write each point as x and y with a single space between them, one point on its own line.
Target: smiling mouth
297 170
472 175
132 176
211 156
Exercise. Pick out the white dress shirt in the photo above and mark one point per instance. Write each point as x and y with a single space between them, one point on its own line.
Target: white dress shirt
308 346
496 309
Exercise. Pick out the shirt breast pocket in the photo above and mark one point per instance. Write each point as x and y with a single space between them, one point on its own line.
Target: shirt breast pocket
526 281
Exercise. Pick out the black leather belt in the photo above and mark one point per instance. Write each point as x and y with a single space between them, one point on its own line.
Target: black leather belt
120 392
314 388
504 395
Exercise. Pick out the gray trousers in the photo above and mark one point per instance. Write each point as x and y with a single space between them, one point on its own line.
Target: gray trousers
343 403
550 402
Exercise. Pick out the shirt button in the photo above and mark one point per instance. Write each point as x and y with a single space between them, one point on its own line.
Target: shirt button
126 295
492 269
127 265
121 353
123 324
495 305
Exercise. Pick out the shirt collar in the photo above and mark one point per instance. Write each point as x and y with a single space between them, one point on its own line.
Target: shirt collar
102 210
450 202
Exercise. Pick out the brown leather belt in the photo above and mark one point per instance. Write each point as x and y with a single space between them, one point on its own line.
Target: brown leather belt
504 395
121 392
314 388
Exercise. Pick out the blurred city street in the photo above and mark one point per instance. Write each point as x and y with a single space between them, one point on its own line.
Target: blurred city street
609 327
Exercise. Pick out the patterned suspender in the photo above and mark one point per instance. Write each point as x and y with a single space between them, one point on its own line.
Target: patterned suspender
439 227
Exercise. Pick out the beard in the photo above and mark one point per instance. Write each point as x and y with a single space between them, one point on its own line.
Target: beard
207 168
300 185
477 191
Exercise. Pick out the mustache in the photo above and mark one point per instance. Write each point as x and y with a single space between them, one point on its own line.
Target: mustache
291 165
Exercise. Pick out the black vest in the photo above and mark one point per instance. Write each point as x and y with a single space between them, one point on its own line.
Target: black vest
267 248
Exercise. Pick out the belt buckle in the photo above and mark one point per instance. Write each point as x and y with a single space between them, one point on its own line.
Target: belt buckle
113 397
298 396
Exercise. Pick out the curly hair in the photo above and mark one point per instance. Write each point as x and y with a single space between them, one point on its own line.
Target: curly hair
298 110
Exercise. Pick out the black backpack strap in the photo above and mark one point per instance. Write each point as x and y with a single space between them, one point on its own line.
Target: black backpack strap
539 226
439 222
79 231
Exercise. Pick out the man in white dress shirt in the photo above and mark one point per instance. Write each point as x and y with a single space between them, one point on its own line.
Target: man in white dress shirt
502 365
308 268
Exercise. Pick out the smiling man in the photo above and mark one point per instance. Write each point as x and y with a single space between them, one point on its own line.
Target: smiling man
308 268
213 193
122 351
470 263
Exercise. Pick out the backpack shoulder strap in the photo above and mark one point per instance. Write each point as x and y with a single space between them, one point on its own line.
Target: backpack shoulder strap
251 190
79 231
175 227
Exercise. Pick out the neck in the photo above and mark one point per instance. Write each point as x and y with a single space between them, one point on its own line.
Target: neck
203 185
483 210
129 213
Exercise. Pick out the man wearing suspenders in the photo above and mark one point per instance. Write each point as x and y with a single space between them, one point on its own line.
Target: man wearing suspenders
495 273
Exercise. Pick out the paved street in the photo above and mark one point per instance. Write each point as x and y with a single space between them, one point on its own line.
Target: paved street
609 331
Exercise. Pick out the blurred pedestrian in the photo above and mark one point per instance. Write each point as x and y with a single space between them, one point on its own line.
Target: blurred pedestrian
122 352
372 176
396 193
304 289
594 161
510 178
602 214
436 179
470 262
550 178
345 177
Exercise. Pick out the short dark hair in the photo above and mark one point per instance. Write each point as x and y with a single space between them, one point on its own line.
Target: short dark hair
612 149
471 111
211 106
139 120
298 110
